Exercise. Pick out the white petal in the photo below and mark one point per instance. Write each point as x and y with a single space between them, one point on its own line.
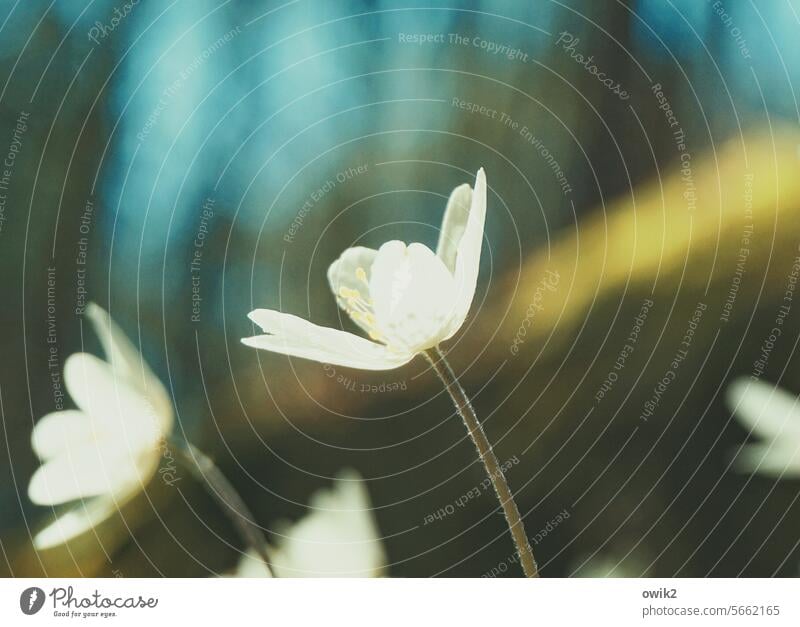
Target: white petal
413 296
351 272
765 409
60 431
111 402
453 225
339 538
128 363
88 470
75 522
251 566
290 335
468 258
780 461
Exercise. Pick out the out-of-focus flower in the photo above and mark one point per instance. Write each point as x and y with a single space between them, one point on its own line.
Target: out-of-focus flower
773 415
104 452
339 538
406 298
608 566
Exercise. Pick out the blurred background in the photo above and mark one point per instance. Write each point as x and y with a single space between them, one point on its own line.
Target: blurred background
632 148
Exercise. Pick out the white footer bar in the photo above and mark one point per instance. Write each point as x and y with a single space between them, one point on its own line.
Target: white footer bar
389 602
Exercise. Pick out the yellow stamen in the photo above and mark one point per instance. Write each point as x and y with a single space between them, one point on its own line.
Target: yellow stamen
358 307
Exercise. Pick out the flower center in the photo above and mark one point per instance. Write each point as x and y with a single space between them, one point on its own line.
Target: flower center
360 307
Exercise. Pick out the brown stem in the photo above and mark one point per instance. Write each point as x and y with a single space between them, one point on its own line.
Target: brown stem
218 486
487 456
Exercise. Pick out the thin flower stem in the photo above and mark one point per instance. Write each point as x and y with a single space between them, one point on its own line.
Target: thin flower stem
487 456
217 485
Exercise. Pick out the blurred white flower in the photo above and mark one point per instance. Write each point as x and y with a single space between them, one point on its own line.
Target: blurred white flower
608 567
339 538
105 451
773 415
406 298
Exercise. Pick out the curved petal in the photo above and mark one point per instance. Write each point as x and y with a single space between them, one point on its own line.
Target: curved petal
338 538
468 258
111 402
453 225
128 362
780 461
251 566
89 470
765 409
349 278
413 296
74 522
290 335
59 431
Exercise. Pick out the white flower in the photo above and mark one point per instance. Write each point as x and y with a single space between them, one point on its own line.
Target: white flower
105 451
339 538
406 298
608 566
773 415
